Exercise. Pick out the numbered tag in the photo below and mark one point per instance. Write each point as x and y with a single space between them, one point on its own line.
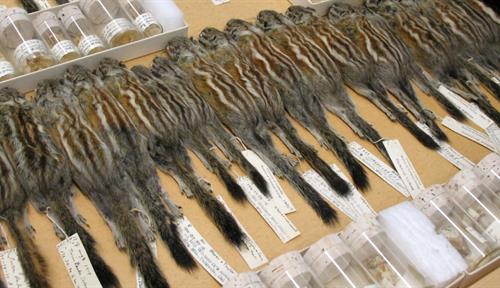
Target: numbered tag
277 193
250 251
384 171
268 209
493 132
139 280
354 205
77 263
204 253
468 132
405 168
12 270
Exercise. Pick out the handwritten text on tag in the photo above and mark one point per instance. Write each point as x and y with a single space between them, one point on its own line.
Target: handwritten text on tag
468 132
493 132
12 270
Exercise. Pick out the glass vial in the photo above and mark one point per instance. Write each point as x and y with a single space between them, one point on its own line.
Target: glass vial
289 271
476 200
7 71
380 256
19 37
489 172
335 266
52 32
245 280
80 30
115 28
143 20
463 232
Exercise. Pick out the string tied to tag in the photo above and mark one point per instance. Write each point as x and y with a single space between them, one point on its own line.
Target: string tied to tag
55 223
238 139
378 141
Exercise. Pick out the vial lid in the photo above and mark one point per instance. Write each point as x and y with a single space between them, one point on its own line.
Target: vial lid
281 269
69 13
463 184
359 232
438 195
331 242
489 171
97 10
245 280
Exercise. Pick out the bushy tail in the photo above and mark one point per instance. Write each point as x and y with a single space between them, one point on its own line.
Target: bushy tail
488 109
333 179
369 132
71 226
137 246
446 103
32 262
327 214
483 77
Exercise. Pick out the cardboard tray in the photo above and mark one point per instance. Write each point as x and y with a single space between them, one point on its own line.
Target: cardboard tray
27 82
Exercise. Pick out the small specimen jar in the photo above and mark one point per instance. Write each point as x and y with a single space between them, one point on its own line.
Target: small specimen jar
489 172
476 200
380 256
334 264
80 30
463 232
52 32
7 71
245 280
19 37
107 15
289 271
143 20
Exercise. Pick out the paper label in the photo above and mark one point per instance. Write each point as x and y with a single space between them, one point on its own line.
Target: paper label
494 231
250 251
12 271
447 152
405 168
219 2
354 205
139 280
493 132
466 107
468 132
89 43
27 49
77 263
145 20
204 253
384 171
277 193
115 27
476 234
6 69
63 48
269 210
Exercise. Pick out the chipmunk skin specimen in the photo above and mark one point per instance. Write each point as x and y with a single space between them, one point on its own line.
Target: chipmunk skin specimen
97 172
277 82
237 109
46 177
143 102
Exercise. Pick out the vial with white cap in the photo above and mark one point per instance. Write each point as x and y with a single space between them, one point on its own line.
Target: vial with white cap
143 20
111 21
379 255
80 30
21 43
335 266
245 280
289 271
463 232
476 200
488 170
50 29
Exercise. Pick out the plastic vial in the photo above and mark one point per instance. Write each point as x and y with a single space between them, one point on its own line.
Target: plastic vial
335 266
107 15
52 32
463 232
143 20
80 30
289 271
380 256
489 172
7 71
19 37
245 280
476 200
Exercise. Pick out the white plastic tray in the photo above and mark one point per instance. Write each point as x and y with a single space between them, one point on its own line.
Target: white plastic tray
27 82
321 7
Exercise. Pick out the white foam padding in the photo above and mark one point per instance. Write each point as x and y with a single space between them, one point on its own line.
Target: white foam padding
166 12
414 234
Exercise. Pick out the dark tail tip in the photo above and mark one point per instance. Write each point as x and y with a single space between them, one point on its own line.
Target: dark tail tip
103 272
236 191
232 232
179 251
260 182
327 214
360 178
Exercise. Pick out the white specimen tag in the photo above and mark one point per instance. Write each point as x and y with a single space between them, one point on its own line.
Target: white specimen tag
405 168
277 193
77 262
63 48
250 251
115 27
465 107
12 270
204 253
487 120
89 43
449 153
468 132
354 205
493 132
219 2
27 49
144 21
268 209
382 170
6 68
139 280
